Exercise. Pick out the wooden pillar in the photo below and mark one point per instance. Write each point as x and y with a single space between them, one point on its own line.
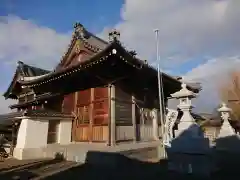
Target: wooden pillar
134 119
91 114
112 128
74 124
155 124
13 138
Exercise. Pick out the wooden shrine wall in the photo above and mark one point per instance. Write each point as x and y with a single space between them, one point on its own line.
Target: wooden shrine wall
123 105
123 115
90 108
127 112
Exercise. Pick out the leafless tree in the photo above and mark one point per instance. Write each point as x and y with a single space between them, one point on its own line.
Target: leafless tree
230 93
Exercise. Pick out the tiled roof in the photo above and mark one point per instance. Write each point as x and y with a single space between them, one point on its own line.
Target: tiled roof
37 99
47 113
89 40
25 71
104 54
28 71
7 119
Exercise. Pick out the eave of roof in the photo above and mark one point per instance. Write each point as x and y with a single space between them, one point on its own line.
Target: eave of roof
114 45
38 99
60 72
23 70
9 118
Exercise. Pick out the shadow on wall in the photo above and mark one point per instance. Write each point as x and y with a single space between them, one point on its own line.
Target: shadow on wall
224 162
101 165
190 152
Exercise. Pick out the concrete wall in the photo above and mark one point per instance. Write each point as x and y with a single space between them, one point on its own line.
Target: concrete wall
65 131
33 134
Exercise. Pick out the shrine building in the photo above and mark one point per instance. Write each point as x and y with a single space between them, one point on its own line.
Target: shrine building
99 93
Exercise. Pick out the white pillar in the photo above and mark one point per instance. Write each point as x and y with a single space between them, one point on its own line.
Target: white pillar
65 131
32 134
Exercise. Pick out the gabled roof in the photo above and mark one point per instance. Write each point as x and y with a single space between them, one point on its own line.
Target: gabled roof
103 55
23 70
89 41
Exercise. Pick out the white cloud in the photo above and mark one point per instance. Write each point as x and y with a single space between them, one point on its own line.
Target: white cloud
4 105
212 75
189 29
23 40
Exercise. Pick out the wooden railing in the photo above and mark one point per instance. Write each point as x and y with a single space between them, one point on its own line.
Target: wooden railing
124 133
100 133
146 132
96 133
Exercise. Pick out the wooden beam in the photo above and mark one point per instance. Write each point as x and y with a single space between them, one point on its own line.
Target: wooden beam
74 136
111 115
91 108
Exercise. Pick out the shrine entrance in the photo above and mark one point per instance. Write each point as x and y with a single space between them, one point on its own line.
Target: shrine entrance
90 122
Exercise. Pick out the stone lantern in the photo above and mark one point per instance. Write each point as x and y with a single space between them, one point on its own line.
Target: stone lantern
185 96
189 150
226 128
227 146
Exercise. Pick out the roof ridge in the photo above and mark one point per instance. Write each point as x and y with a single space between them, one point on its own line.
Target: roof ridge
21 63
81 33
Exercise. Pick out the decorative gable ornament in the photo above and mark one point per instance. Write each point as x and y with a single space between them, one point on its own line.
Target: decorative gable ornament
114 35
80 31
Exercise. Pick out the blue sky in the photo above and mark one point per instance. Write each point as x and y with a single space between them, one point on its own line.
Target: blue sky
60 15
198 39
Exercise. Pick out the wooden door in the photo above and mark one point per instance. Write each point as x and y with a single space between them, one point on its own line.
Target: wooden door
82 111
91 116
100 115
81 124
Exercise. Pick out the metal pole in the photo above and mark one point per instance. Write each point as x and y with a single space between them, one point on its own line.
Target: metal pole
160 92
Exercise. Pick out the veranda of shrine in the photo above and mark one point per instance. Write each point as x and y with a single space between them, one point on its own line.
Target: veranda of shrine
105 95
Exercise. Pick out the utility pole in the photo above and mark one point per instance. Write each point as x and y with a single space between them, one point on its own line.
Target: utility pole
160 93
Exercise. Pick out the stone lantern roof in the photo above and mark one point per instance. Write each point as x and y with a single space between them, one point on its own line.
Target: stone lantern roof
224 108
184 92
